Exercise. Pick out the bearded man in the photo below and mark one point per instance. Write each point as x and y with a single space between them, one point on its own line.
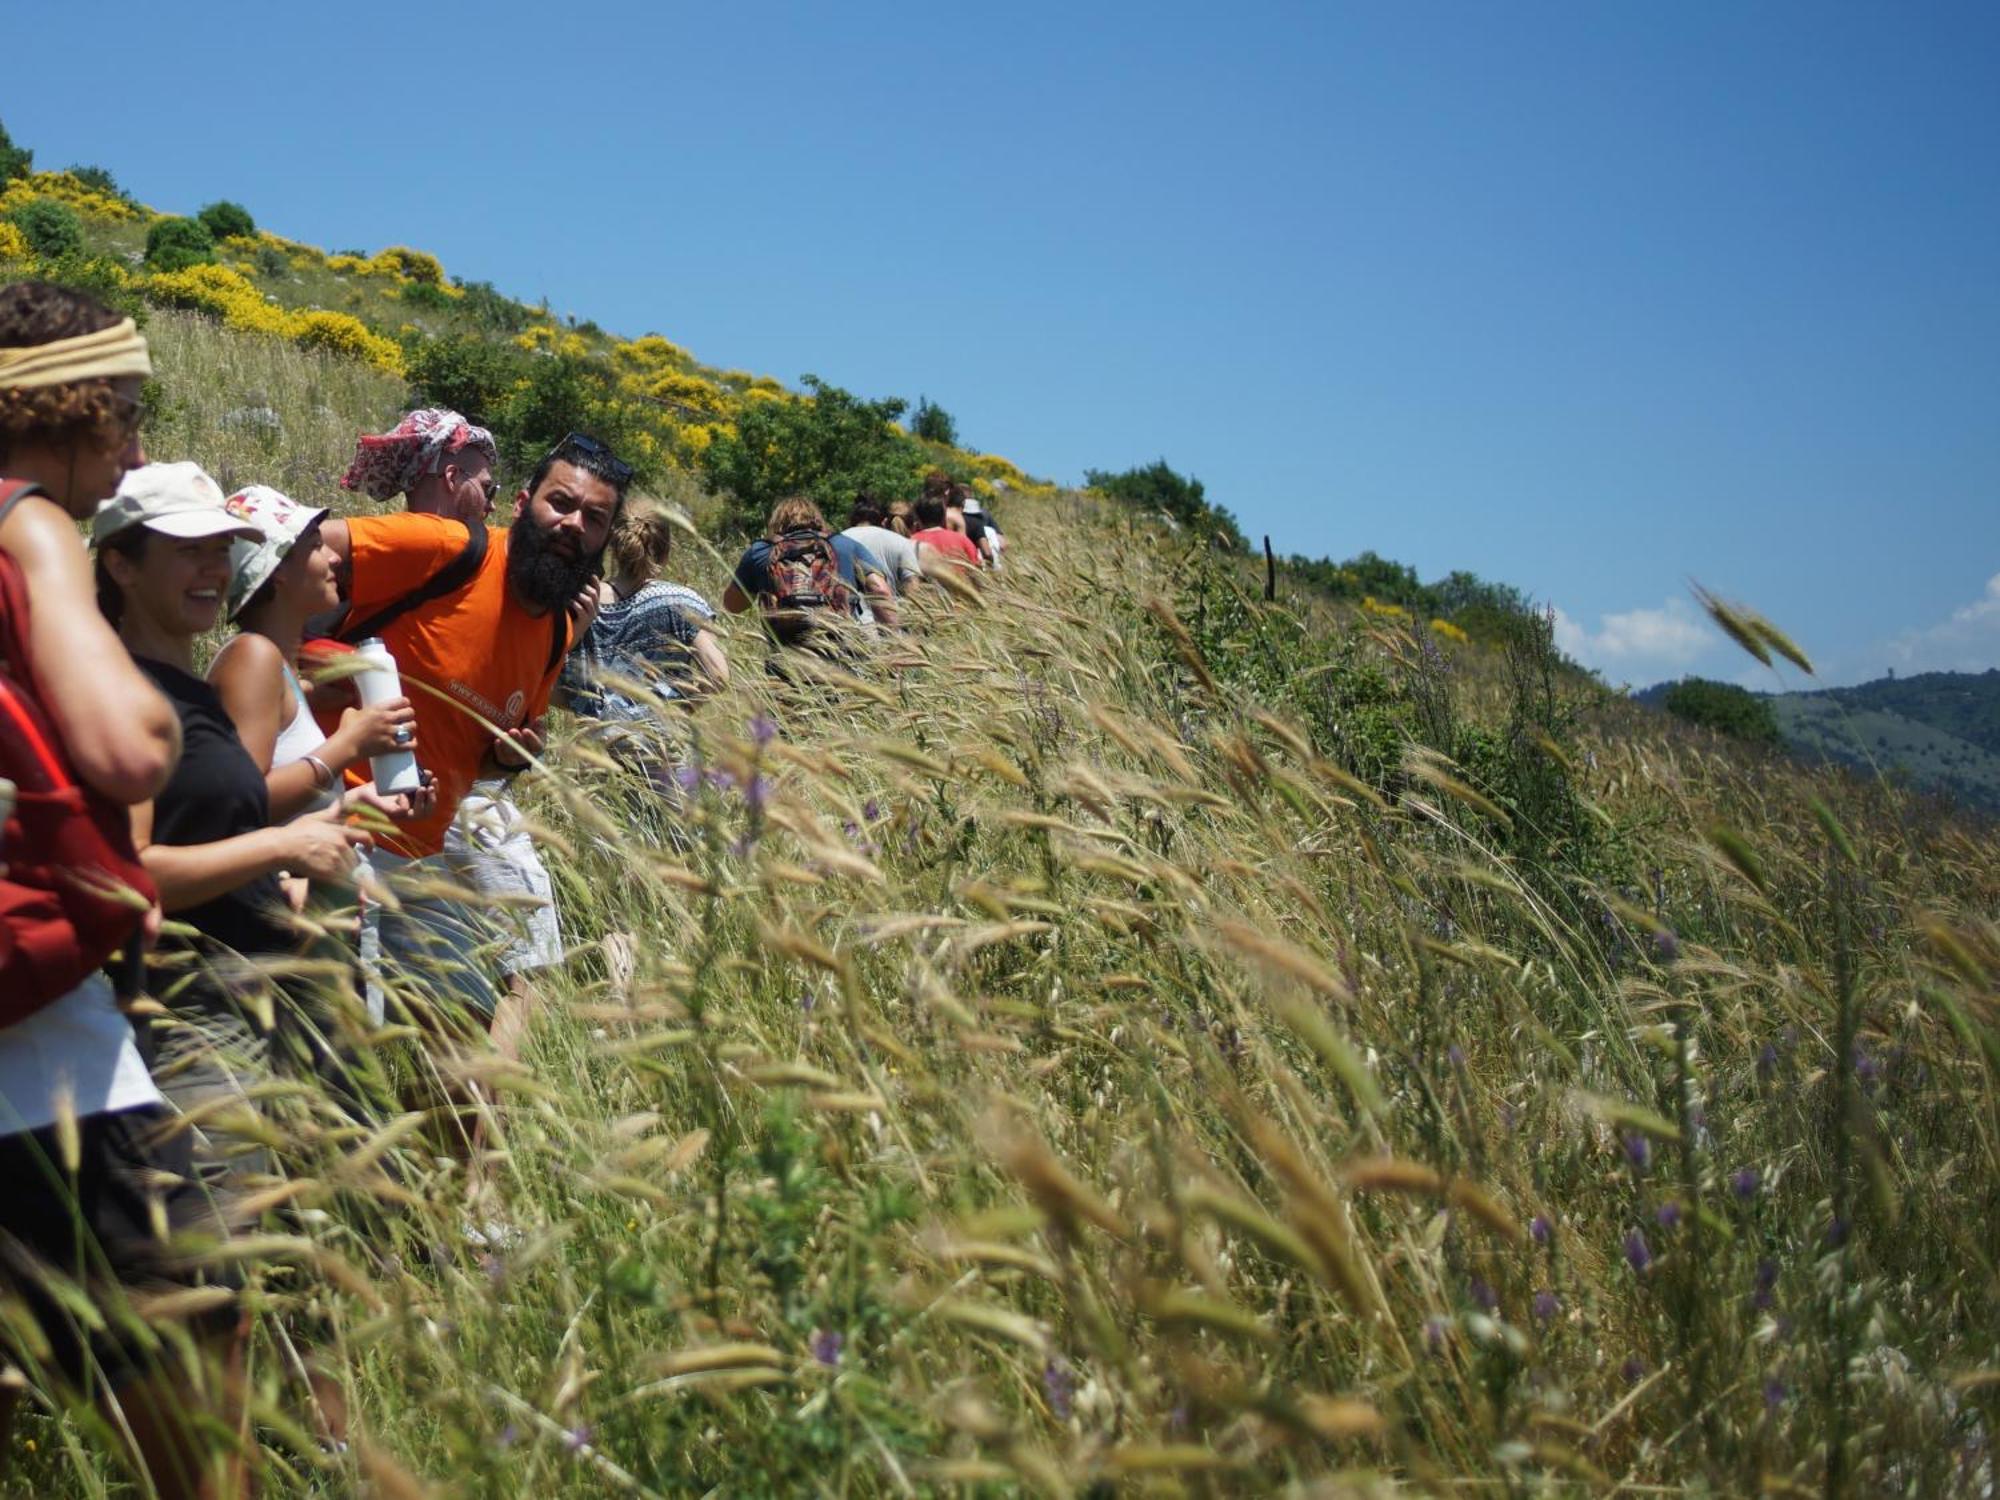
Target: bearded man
483 656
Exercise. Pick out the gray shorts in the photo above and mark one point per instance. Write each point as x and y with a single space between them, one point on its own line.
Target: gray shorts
488 846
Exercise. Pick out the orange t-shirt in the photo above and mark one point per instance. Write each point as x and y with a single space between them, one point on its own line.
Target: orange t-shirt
479 647
953 544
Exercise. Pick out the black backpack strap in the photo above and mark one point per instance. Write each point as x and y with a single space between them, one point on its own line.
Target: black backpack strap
448 579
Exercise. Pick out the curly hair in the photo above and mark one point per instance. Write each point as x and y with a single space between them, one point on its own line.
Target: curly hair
642 539
79 413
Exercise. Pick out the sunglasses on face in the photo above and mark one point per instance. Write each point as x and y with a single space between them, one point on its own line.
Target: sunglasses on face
126 415
584 446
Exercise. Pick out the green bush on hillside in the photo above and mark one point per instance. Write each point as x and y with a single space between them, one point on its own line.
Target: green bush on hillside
1725 708
831 447
1156 487
15 161
933 423
467 373
51 229
100 179
227 221
176 244
485 306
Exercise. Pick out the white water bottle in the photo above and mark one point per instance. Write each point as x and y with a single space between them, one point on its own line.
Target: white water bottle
395 770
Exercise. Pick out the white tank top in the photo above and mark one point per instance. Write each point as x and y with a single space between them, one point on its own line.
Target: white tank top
80 1045
300 737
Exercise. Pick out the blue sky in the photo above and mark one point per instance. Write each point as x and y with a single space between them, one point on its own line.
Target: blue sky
1593 299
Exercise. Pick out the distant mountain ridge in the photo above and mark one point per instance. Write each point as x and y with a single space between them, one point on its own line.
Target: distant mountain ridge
1940 729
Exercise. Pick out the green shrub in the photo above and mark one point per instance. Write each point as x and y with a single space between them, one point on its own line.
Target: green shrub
51 229
831 447
226 220
176 244
933 424
427 295
1156 487
101 180
271 261
1725 708
15 161
467 374
488 308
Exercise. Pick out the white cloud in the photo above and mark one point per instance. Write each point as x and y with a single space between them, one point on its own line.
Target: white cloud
1968 640
1639 645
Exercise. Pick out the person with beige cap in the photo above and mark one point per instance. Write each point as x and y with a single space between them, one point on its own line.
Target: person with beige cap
74 1089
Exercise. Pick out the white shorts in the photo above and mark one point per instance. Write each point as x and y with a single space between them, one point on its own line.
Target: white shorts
489 847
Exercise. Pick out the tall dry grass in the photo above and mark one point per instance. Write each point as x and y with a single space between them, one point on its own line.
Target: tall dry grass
1026 1063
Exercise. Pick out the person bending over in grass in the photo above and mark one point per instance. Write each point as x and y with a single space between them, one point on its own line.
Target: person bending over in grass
647 630
808 584
901 558
932 532
95 1178
483 652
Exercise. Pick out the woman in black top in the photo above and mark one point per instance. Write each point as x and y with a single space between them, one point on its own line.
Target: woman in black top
163 569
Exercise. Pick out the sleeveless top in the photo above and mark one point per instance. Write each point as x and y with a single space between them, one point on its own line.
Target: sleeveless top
300 737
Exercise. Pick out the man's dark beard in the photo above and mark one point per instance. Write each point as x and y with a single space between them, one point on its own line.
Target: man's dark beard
539 574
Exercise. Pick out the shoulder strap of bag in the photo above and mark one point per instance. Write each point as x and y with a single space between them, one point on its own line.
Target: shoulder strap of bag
13 491
448 579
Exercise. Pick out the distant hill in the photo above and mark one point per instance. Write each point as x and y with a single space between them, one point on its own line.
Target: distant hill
1941 729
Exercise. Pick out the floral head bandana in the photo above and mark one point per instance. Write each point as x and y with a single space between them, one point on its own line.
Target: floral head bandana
386 464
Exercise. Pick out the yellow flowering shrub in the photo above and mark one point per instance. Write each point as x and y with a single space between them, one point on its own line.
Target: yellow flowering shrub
222 292
410 265
690 393
767 385
1450 631
65 188
13 244
649 354
225 293
337 333
347 265
765 393
1376 606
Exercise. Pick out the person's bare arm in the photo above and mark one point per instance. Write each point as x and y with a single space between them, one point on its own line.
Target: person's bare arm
119 731
709 658
881 599
187 875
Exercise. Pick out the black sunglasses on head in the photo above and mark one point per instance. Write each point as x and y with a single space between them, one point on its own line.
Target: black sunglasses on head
582 444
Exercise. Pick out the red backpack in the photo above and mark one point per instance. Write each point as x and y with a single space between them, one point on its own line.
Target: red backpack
807 592
72 890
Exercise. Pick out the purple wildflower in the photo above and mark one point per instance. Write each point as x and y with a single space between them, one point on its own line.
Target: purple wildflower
757 792
1666 947
1767 1274
763 729
1638 1254
1745 1181
687 778
1634 1371
1455 1055
807 1000
722 781
577 1438
1540 1230
507 1437
1775 1392
826 1346
1668 1214
1767 1060
1547 1305
1177 1419
1836 1233
1435 1330
1638 1150
1483 1295
1865 1067
1059 1385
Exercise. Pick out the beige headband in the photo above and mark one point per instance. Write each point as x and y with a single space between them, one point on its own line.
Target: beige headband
104 355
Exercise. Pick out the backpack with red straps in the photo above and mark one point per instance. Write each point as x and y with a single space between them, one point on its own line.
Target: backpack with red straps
72 890
807 592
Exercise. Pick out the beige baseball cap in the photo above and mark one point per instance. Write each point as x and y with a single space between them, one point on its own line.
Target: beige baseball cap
177 500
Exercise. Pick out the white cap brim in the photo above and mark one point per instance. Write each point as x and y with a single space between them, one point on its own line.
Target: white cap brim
191 525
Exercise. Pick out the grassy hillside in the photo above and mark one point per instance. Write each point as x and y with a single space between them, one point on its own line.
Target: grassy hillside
1843 727
1133 1039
